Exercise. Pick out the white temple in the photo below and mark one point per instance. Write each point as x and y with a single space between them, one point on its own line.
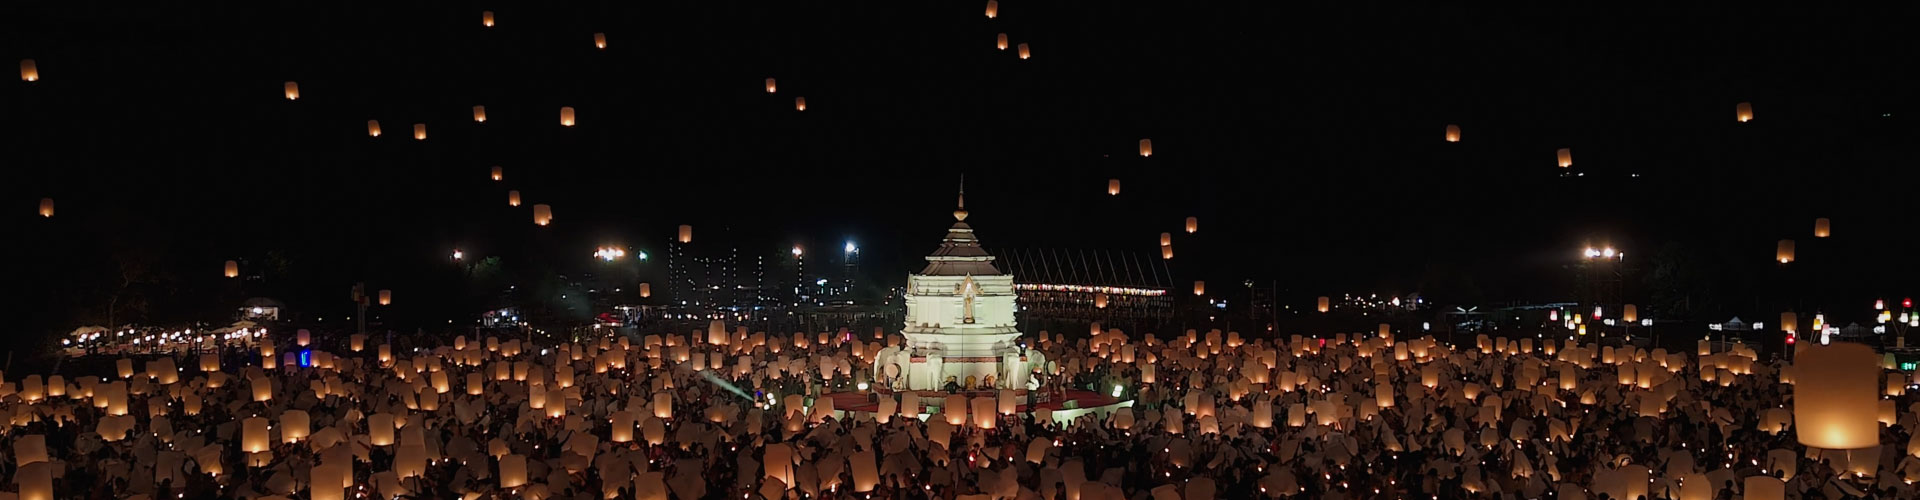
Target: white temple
960 325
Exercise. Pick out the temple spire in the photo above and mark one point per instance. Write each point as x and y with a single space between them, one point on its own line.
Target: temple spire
960 214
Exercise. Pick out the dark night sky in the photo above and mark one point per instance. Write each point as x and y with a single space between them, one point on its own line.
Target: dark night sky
1308 142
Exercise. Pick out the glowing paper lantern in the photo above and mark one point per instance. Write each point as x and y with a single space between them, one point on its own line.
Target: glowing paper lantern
357 342
1025 53
566 116
380 429
35 479
294 426
600 41
480 116
233 269
292 91
303 337
373 128
253 435
326 481
1100 300
1199 287
386 297
1743 112
686 233
770 86
1566 157
513 471
1166 253
1835 404
993 9
1764 488
420 131
486 18
623 422
1453 133
799 104
1193 224
1322 304
1001 41
1789 322
646 290
663 405
29 71
46 207
1630 313
513 198
1783 251
983 411
1146 145
30 449
542 214
1113 187
1822 227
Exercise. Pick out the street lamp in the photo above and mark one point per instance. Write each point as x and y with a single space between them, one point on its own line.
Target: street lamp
610 254
457 254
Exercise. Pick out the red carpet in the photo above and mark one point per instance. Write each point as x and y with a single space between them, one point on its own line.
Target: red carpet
854 401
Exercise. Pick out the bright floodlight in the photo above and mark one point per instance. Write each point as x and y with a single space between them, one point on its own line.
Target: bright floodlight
796 251
609 254
851 248
457 255
1608 253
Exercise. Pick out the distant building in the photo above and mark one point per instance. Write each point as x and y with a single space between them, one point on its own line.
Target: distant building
1059 289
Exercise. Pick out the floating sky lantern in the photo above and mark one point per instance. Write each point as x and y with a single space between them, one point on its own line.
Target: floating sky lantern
486 18
498 173
1025 53
1000 41
1822 227
600 41
35 480
542 214
46 207
233 269
1789 322
1453 133
1100 300
513 198
1113 187
993 9
386 297
1566 157
1836 406
1322 303
293 91
799 104
1193 224
29 71
479 114
1783 251
566 116
646 290
513 471
1743 112
1630 313
770 86
373 128
419 131
1146 148
1166 252
1166 239
686 233
1199 288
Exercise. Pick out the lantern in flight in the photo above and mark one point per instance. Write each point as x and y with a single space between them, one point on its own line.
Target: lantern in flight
1789 322
1822 228
293 91
1025 53
1630 313
1166 252
770 86
1113 187
1000 41
1146 148
486 18
600 41
1193 224
542 214
646 290
386 297
1566 157
497 174
29 72
1322 303
1100 300
373 128
1199 287
233 269
1783 251
46 207
1453 133
799 104
419 131
1743 112
479 114
993 9
686 233
566 116
1839 407
513 198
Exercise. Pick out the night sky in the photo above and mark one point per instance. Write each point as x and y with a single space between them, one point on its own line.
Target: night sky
1307 142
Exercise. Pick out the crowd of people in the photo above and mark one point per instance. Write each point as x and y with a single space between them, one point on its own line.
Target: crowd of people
727 414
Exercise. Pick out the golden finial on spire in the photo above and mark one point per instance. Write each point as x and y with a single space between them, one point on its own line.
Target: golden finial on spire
961 213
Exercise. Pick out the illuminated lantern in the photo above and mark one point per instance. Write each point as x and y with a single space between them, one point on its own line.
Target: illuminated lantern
1001 41
486 18
420 131
1166 253
686 233
983 411
622 427
770 86
1757 488
1113 187
799 104
35 480
233 269
1199 288
556 404
1453 133
1896 384
600 41
209 363
566 116
513 471
480 115
1822 228
1025 53
253 435
513 198
542 214
294 426
1629 313
1743 112
373 128
293 91
1839 406
380 429
1166 239
30 449
1783 251
663 405
386 297
46 207
993 9
1100 300
1146 145
1566 157
476 384
303 337
29 71
327 479
1322 304
646 290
